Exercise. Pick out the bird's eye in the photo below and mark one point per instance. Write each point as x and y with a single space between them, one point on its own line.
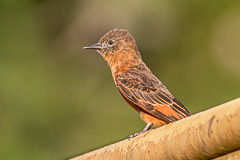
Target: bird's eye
111 42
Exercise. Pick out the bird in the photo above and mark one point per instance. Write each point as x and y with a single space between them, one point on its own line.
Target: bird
139 87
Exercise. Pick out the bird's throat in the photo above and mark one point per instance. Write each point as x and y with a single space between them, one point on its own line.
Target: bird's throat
121 61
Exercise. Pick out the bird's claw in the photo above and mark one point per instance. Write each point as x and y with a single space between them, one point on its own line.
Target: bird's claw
147 128
134 135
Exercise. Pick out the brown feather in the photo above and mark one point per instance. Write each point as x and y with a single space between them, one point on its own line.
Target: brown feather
150 95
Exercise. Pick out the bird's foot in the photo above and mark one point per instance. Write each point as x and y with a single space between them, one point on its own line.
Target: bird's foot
145 129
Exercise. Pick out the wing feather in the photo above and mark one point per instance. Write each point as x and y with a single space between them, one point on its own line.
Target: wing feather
150 95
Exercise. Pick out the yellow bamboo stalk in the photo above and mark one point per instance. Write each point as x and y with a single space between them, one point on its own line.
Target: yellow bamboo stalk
205 135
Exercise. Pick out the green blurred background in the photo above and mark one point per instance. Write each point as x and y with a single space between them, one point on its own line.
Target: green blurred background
58 101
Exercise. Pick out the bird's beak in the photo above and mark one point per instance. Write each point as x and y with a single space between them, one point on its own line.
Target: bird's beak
96 46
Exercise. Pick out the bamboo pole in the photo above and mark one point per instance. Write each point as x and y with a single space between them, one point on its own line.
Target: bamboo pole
205 135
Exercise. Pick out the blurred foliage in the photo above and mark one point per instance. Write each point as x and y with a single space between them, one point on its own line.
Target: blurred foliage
58 101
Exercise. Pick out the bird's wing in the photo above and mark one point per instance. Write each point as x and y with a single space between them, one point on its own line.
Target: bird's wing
147 92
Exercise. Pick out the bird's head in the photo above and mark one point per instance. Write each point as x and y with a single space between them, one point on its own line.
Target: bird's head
117 46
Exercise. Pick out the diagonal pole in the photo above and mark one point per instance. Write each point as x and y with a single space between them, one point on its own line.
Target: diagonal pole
209 134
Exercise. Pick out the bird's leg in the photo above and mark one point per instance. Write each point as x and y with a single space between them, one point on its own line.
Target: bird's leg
145 129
